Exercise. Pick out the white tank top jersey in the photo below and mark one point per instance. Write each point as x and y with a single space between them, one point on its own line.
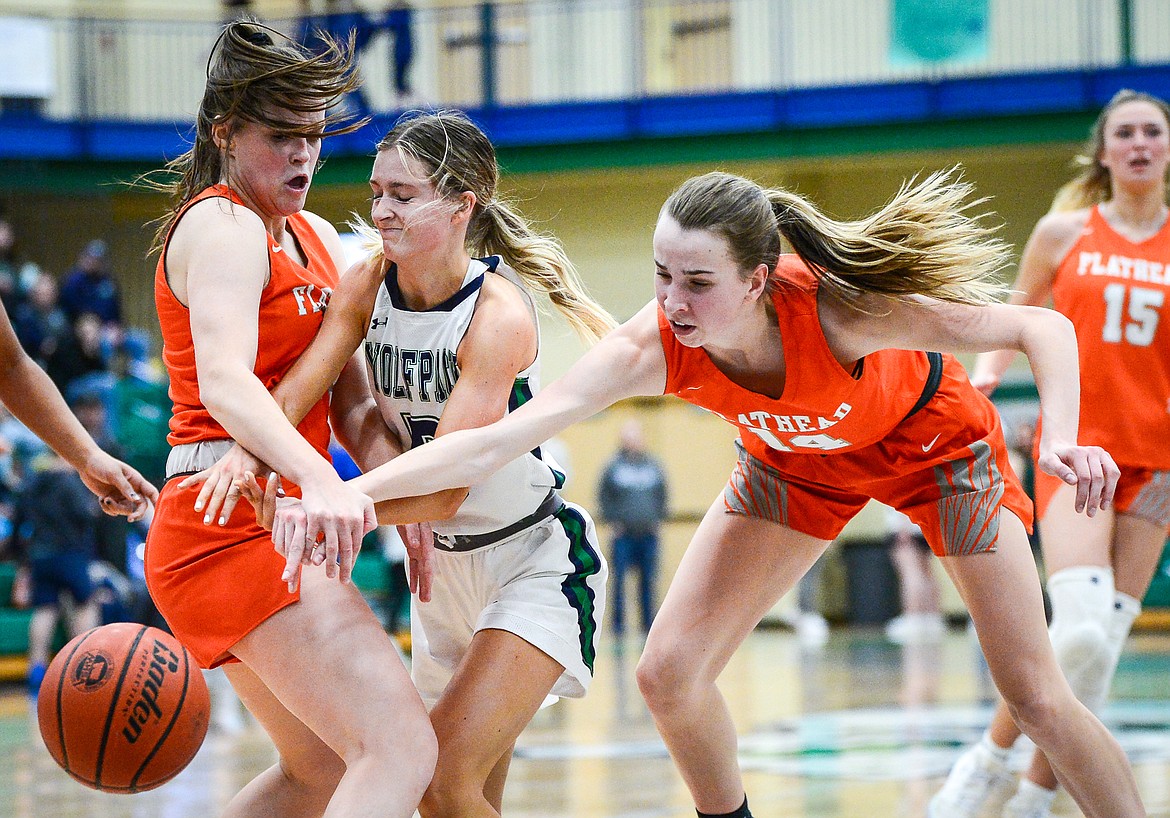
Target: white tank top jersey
411 361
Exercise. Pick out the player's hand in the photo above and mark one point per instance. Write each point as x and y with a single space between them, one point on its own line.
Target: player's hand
263 498
331 515
1090 468
420 557
120 488
222 484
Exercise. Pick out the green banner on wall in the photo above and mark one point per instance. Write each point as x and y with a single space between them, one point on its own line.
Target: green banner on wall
938 31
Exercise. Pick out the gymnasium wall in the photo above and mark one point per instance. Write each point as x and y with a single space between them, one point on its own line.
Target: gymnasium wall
605 219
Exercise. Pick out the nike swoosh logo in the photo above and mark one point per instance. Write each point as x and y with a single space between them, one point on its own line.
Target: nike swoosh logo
276 248
927 447
692 388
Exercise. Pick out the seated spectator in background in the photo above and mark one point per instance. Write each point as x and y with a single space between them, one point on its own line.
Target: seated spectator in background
55 529
79 355
89 287
18 448
16 273
40 323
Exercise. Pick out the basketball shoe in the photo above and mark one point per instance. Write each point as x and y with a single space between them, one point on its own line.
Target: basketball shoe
977 786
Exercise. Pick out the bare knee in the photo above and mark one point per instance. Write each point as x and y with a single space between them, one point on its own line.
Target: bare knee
313 775
667 675
404 747
1038 711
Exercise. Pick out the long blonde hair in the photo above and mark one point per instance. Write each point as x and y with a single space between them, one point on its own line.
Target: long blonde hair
459 157
1093 185
922 242
252 71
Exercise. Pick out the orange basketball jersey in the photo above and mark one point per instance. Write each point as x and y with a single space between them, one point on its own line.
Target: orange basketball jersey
824 409
292 307
1116 293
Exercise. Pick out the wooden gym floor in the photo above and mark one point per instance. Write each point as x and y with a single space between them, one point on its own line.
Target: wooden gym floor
859 727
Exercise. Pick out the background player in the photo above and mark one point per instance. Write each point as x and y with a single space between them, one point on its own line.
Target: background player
1102 255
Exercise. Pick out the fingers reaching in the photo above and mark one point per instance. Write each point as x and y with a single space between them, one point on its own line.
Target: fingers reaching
1090 469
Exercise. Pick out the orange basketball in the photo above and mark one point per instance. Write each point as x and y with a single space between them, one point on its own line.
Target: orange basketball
123 708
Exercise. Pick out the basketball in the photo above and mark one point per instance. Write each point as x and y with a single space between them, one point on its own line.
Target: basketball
123 708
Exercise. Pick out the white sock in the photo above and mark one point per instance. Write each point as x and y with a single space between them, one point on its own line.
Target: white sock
1125 611
1034 795
998 753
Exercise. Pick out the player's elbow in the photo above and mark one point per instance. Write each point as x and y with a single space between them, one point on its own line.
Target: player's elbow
448 503
1046 327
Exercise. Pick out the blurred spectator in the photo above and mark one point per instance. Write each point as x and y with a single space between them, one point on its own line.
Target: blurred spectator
16 274
342 19
55 529
140 408
399 22
19 448
921 618
235 9
39 322
79 354
89 287
632 497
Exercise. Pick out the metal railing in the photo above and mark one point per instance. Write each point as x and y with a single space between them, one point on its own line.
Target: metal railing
547 51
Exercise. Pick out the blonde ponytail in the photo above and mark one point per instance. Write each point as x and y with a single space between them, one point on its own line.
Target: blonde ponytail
922 242
459 157
541 262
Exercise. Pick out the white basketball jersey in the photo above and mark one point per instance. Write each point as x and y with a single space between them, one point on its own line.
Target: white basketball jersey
411 362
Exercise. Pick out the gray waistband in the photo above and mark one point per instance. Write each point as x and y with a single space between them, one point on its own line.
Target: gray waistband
188 458
471 542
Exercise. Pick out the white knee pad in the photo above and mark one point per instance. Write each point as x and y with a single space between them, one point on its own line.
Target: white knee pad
1082 614
1125 611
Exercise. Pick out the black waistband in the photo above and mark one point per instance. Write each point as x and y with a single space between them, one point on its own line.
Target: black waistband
933 379
470 542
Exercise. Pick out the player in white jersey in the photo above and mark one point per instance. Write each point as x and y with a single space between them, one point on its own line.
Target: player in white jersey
449 342
513 530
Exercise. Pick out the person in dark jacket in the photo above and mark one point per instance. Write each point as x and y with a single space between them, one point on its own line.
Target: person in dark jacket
632 497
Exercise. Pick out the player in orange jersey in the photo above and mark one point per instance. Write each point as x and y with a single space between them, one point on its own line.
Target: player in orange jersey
810 357
1103 255
242 283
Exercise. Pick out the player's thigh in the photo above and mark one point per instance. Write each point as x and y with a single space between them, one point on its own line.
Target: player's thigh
329 662
1070 539
1002 592
732 573
498 687
299 747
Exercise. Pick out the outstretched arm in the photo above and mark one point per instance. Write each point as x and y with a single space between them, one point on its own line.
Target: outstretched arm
1044 335
314 372
29 394
627 362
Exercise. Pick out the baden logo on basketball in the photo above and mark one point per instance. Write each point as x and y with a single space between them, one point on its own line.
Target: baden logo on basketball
142 703
92 671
